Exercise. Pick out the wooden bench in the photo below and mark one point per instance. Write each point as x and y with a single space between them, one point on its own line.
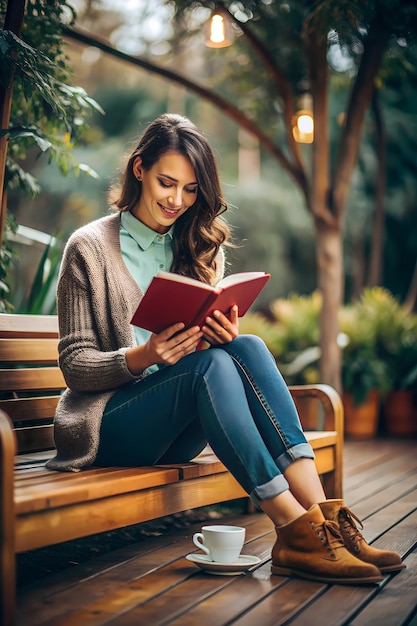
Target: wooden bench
39 507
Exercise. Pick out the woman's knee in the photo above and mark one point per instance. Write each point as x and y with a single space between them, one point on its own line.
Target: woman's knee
218 360
250 345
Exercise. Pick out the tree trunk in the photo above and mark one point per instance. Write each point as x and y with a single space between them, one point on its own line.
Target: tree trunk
376 259
13 22
328 230
330 280
359 102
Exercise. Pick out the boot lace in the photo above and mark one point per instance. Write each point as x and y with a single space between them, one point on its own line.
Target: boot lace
330 536
348 521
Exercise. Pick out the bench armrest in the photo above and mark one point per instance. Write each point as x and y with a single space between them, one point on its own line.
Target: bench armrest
7 536
332 405
330 401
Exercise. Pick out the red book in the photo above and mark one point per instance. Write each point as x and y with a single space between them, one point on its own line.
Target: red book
171 298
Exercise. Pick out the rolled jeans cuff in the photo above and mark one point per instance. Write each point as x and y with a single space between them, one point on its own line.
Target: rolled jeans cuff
269 490
279 483
299 451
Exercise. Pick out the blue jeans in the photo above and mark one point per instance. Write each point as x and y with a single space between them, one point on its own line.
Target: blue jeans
232 397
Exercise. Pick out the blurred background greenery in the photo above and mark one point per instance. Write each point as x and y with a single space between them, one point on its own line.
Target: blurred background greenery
270 223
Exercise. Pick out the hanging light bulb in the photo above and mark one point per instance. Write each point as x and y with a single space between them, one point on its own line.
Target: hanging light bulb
303 127
303 121
218 29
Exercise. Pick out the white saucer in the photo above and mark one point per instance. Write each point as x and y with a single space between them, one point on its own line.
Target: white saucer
244 562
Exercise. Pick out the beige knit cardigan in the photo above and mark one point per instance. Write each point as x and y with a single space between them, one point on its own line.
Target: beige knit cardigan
96 298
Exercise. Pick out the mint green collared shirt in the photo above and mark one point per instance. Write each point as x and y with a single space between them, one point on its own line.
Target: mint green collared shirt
145 253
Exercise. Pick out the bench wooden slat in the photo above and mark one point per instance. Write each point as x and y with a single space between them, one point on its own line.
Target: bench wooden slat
32 457
87 488
45 479
35 438
50 526
39 350
30 409
28 326
32 379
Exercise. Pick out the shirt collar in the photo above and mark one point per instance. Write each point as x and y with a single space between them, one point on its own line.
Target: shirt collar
141 233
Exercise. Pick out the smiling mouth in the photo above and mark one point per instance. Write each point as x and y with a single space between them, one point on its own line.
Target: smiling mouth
168 212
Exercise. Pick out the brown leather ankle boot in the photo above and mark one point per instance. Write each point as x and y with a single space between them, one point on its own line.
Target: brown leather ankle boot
386 560
312 547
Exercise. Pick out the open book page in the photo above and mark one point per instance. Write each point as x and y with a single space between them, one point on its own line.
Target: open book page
186 280
232 279
240 277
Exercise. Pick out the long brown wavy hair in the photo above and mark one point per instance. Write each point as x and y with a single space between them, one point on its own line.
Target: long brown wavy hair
200 231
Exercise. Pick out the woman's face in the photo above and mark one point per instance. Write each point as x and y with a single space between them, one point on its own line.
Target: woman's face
169 188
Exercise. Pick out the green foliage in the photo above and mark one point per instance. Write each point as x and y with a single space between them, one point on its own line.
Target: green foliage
298 319
396 337
7 260
41 297
48 114
362 369
381 351
292 335
378 335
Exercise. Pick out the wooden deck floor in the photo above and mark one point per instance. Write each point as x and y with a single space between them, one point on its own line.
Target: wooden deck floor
151 583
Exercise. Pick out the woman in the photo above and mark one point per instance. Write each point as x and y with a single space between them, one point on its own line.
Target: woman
136 398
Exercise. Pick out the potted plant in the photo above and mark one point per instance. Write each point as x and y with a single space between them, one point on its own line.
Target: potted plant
364 373
397 346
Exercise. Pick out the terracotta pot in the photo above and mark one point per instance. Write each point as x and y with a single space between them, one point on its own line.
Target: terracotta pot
400 413
361 421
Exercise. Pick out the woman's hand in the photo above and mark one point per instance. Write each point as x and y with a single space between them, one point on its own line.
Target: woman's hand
168 346
220 329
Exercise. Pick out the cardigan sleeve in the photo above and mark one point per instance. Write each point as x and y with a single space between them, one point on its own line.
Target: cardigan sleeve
94 314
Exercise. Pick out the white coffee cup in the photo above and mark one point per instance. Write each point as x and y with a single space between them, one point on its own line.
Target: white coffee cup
222 544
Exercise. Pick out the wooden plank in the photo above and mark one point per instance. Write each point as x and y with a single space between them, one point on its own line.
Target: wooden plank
32 379
56 494
35 438
85 488
39 477
224 597
280 605
126 563
138 575
396 605
15 325
389 509
30 409
193 470
325 461
7 535
35 457
375 481
321 439
48 527
29 350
